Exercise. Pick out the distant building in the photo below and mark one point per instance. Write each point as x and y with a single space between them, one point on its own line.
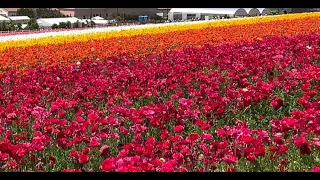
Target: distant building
19 19
107 13
300 10
295 10
3 12
11 11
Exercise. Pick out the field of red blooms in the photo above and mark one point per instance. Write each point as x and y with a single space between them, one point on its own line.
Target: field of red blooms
246 106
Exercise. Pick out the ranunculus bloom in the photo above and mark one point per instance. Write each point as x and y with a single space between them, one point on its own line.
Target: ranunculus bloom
276 103
315 169
107 165
178 129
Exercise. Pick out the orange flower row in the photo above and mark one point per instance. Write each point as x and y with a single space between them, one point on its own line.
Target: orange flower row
66 53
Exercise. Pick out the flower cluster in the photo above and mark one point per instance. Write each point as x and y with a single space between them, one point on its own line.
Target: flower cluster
250 106
68 47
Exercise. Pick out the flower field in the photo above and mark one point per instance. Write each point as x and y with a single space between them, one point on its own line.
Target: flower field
223 96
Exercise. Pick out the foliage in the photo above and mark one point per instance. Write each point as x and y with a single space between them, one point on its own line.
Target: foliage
32 24
39 12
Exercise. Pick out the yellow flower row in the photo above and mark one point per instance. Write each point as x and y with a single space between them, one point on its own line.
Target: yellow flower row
151 30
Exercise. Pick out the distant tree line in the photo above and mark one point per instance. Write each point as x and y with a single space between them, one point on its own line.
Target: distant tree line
40 13
13 26
69 25
10 26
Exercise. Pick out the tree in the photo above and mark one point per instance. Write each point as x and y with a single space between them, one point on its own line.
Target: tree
55 26
62 25
30 12
93 23
4 26
68 24
48 13
19 26
12 26
156 17
119 19
39 13
32 24
76 24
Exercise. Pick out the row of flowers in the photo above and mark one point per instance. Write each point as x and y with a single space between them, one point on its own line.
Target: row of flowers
237 107
49 51
103 33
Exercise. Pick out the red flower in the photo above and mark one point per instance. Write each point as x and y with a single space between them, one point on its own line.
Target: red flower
107 165
74 154
230 159
247 139
299 141
276 103
305 149
282 149
104 150
94 142
207 137
86 150
52 160
192 137
4 156
251 157
185 102
83 159
61 113
178 129
303 145
260 151
231 170
12 164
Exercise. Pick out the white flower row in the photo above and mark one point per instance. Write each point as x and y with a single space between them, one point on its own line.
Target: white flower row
87 31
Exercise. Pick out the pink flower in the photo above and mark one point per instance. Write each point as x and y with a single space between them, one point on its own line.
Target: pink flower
94 142
11 115
315 169
207 137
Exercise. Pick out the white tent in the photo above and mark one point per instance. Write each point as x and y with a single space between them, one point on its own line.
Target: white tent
48 22
206 11
100 22
3 19
19 18
97 18
252 11
264 11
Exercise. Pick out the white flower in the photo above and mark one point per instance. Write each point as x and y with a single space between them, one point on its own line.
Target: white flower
309 47
162 160
78 63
